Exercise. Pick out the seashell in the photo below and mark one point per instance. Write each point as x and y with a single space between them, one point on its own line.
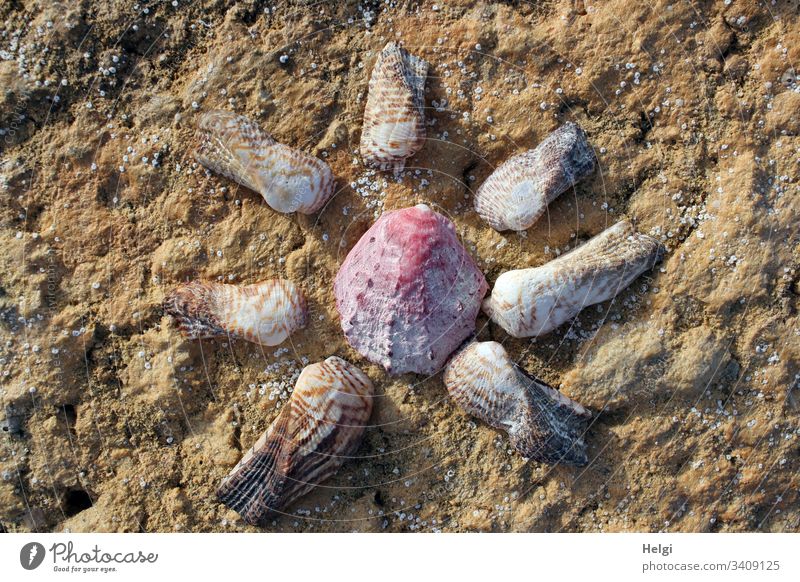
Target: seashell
542 423
532 302
289 180
517 193
394 118
408 292
265 313
789 78
315 432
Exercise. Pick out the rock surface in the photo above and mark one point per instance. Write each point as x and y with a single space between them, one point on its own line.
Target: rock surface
691 373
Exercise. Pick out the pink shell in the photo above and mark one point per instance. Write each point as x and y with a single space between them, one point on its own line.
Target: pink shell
408 293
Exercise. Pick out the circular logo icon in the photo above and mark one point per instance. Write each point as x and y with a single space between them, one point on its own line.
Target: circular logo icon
31 555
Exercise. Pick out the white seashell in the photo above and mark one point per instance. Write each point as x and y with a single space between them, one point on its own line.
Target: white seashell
289 180
542 423
532 302
518 192
314 434
265 313
394 118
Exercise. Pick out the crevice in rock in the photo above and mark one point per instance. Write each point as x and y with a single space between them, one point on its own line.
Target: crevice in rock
75 501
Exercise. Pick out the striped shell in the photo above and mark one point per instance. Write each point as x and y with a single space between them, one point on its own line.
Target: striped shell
265 313
541 423
394 118
532 302
315 432
518 192
289 180
408 292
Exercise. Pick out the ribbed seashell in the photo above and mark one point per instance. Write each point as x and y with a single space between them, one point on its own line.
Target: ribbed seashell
265 313
532 302
394 118
289 180
315 432
518 192
542 423
408 292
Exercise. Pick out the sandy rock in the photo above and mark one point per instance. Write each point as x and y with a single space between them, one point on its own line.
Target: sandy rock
152 376
692 372
783 118
607 380
702 359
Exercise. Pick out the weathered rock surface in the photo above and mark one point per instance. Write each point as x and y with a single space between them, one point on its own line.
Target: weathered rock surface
691 373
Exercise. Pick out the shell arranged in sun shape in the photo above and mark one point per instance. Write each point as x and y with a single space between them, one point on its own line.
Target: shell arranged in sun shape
265 313
542 423
518 192
532 302
315 432
289 180
408 292
394 118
